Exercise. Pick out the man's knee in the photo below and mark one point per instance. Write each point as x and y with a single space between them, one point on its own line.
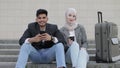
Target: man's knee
25 46
59 45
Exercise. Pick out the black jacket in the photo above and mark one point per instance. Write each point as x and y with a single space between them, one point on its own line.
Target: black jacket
34 29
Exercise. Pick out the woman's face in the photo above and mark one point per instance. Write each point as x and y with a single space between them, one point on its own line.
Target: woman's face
71 17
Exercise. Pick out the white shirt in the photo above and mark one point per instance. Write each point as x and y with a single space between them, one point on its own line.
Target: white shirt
72 33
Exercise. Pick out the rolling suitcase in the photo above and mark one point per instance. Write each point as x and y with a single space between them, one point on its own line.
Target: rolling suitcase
106 39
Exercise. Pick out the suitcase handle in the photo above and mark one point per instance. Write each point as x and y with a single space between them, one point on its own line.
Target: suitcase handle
100 17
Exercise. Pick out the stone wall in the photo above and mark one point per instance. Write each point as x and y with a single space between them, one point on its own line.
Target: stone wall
16 14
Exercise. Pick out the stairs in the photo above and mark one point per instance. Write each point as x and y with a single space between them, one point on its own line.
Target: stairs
9 53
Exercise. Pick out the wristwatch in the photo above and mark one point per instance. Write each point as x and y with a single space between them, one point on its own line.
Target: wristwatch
52 38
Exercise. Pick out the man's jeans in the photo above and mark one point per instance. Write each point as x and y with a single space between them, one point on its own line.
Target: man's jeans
76 56
42 55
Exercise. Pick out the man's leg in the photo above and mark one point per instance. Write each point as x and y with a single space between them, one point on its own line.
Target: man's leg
60 55
55 52
48 55
25 50
45 56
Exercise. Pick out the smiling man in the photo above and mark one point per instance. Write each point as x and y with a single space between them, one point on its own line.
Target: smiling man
41 42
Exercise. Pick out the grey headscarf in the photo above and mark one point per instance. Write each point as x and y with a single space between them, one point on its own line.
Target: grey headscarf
70 26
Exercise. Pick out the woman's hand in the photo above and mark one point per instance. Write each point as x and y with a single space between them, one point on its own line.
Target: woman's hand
70 41
83 48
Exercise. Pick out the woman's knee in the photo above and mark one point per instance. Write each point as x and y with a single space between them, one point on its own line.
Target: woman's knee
74 45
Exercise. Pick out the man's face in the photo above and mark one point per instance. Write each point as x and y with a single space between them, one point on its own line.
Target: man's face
42 20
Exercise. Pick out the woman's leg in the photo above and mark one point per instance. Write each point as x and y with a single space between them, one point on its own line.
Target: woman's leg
82 59
72 54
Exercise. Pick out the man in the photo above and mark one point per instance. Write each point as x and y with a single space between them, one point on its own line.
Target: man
41 42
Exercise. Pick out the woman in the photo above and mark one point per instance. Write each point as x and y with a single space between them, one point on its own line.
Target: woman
75 37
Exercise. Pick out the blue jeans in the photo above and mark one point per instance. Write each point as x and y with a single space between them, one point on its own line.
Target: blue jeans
41 56
76 56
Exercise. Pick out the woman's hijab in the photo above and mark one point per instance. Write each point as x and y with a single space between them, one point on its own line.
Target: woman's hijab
72 25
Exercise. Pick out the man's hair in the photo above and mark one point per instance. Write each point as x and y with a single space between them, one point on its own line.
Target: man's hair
41 11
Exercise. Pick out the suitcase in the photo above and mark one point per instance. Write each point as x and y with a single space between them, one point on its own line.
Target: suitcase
106 39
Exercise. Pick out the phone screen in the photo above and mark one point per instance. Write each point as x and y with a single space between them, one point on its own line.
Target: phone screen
42 32
72 38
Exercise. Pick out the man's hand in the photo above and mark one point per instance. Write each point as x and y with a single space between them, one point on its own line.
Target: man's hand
46 37
37 38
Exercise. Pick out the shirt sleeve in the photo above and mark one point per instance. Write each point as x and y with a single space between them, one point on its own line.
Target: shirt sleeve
56 40
26 41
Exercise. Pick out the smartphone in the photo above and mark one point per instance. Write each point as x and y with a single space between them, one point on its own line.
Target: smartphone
72 38
42 32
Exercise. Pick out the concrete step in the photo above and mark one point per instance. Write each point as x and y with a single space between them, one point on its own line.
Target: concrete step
9 54
91 45
16 51
9 41
9 46
7 64
91 64
91 50
13 58
52 65
17 41
8 58
17 46
9 51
